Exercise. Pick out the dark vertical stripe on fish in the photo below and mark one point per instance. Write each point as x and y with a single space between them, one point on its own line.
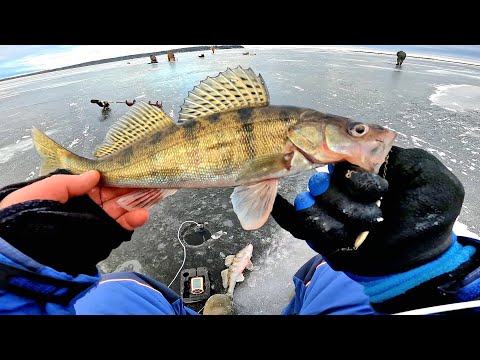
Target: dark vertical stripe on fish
225 154
214 117
249 140
190 129
245 114
127 155
285 115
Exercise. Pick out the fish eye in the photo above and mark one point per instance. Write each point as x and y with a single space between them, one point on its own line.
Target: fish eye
358 129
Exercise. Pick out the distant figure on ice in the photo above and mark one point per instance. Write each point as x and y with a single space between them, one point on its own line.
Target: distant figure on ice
105 105
400 57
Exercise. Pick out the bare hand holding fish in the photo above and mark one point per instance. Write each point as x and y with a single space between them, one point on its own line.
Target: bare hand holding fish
228 135
63 187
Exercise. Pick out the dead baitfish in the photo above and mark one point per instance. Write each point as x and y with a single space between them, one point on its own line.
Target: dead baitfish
236 265
228 135
219 304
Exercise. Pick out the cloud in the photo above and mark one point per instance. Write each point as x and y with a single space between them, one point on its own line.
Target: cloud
24 59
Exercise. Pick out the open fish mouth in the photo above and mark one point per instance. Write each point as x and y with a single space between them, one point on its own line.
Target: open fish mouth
385 145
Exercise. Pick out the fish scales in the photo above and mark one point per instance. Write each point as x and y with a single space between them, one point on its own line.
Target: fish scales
207 152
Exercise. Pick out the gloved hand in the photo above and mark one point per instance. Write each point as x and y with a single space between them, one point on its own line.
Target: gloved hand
421 201
52 220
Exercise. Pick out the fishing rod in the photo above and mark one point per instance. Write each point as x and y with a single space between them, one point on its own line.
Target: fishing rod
105 104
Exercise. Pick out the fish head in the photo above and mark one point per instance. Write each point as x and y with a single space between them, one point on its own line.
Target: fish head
248 249
324 139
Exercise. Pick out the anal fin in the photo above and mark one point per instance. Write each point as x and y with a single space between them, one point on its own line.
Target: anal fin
224 274
240 278
144 198
229 260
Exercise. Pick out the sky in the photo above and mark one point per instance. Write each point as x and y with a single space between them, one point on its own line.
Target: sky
22 59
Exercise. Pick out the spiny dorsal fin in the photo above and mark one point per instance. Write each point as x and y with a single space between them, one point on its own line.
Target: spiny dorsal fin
141 121
229 90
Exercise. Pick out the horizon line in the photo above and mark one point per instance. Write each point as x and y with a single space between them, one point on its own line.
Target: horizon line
462 61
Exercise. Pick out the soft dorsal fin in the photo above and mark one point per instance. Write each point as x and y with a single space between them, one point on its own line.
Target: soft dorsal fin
141 121
229 90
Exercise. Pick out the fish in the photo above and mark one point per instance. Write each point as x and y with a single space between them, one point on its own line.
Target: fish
236 265
219 304
227 135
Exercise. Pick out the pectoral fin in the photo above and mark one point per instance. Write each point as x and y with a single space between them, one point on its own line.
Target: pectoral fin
229 260
249 266
224 274
253 203
144 198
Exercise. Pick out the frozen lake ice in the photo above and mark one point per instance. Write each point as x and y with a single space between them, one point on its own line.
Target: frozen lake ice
432 105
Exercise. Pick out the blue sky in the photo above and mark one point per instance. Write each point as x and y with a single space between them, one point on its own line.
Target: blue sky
21 59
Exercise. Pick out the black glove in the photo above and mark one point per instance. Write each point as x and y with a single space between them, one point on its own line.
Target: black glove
71 237
413 225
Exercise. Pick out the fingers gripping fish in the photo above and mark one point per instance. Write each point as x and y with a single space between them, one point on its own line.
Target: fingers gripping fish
228 135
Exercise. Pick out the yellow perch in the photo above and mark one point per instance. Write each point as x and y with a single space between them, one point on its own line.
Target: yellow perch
228 135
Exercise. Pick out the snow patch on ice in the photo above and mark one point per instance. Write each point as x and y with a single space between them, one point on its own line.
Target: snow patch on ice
9 151
416 141
73 143
130 266
462 230
457 98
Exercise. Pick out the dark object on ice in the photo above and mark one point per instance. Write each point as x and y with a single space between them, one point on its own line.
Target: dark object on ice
400 57
171 56
201 56
195 285
153 59
160 106
106 104
103 104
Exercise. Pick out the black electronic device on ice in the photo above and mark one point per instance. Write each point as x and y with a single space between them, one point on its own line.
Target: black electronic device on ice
194 285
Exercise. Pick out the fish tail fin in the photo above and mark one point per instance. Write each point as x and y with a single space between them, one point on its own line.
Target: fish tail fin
52 154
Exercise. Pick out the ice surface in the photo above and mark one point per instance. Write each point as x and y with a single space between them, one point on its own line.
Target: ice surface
430 104
457 97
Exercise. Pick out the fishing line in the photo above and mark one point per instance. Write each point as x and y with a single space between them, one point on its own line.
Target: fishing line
100 193
184 248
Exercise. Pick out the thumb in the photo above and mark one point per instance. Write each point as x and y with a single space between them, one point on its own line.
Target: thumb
76 185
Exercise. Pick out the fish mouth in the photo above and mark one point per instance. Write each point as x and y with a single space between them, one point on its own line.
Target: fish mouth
386 144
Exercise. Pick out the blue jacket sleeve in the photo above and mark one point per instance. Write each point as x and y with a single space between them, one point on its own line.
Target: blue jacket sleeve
30 288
